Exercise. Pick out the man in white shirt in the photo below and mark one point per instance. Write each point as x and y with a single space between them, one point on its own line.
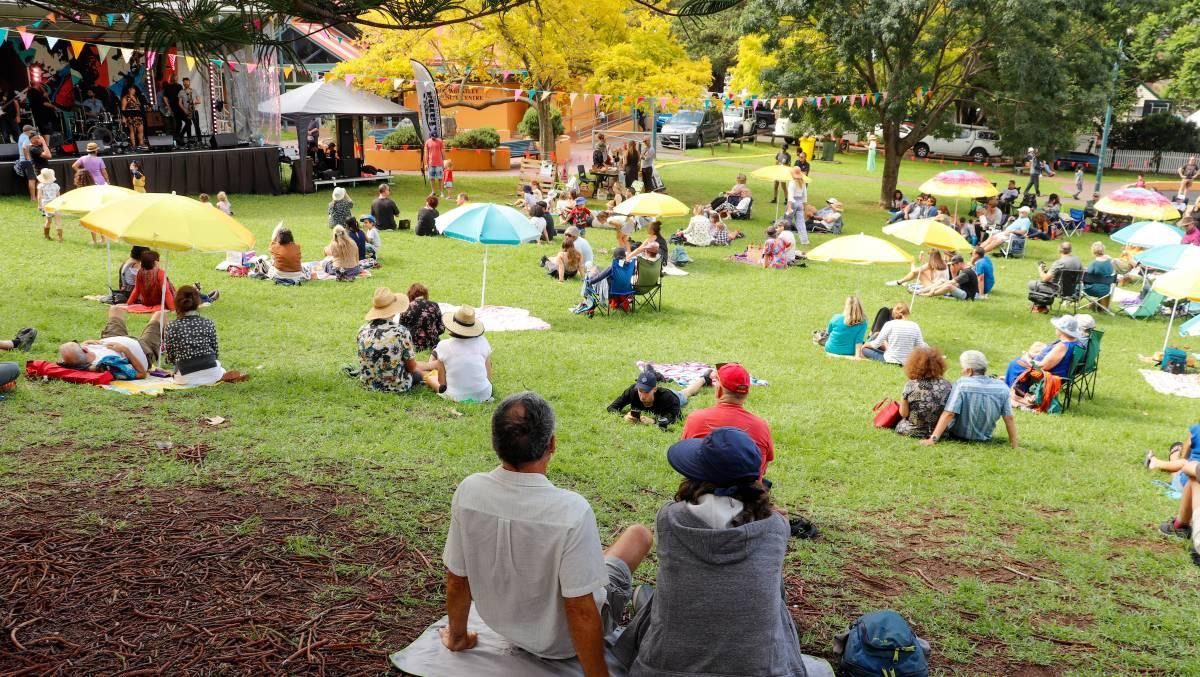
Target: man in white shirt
528 553
115 340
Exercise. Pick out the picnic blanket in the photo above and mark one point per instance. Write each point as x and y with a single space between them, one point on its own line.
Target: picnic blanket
494 656
752 255
1180 385
503 318
684 373
152 386
319 266
134 308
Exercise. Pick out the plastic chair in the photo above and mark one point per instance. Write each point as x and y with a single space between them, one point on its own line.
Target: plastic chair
647 289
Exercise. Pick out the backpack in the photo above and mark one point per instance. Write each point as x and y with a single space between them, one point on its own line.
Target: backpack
881 643
1174 361
679 256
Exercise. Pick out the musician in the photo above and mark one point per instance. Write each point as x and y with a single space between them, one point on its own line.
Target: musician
134 116
10 116
45 113
188 101
92 106
180 118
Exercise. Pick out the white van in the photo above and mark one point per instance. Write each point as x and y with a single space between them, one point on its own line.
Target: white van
970 141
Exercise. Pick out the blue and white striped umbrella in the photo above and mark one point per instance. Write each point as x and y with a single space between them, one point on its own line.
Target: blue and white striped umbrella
1148 234
485 223
1170 257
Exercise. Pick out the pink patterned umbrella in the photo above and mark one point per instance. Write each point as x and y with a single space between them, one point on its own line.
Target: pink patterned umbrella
958 183
1140 203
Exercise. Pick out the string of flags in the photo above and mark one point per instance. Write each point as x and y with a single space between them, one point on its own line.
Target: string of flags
754 101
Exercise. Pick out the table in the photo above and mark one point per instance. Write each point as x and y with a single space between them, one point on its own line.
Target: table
603 177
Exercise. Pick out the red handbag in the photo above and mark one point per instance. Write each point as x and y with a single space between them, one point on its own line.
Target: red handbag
887 413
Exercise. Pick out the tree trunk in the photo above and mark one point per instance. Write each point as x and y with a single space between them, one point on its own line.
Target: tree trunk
545 128
894 150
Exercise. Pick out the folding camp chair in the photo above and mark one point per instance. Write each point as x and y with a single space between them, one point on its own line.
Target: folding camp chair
1085 363
1104 299
1149 306
581 171
1070 288
647 288
1013 247
1071 226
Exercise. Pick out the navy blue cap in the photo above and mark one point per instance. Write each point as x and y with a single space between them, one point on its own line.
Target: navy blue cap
647 381
725 457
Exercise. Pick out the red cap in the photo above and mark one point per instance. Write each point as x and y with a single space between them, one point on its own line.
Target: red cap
734 378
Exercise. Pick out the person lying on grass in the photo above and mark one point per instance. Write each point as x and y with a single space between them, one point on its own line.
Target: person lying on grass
528 554
117 351
649 404
976 403
930 269
23 340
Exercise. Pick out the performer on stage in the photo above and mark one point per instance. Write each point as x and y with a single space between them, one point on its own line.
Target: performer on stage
92 107
10 116
45 114
172 95
189 101
135 117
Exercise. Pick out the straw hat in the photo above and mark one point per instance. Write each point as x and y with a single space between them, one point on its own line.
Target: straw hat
46 175
339 193
462 322
386 303
92 147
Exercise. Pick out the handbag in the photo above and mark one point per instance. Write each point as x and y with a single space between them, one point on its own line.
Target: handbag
887 413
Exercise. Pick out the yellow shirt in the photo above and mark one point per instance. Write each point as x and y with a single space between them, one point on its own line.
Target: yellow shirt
139 184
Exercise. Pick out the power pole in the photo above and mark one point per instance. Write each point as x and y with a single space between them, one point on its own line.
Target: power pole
1108 116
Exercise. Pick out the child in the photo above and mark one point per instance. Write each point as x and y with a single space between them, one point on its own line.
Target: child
47 190
205 199
1078 182
138 178
1141 182
447 178
374 242
223 203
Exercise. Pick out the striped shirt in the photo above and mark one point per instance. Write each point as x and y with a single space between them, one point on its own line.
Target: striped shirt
900 337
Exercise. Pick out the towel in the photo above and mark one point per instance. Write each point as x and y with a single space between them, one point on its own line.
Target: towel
152 386
503 318
684 373
1180 385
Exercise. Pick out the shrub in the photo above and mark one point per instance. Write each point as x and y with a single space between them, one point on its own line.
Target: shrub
404 135
484 137
529 123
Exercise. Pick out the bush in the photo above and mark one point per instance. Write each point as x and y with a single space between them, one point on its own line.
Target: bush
484 138
1162 132
529 123
404 135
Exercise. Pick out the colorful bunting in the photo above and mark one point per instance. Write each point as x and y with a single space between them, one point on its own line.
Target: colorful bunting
171 60
77 47
26 38
109 18
51 41
3 35
251 66
103 51
191 62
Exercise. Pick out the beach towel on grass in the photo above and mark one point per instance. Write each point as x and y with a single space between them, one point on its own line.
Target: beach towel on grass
684 373
133 308
494 656
503 318
152 386
1180 385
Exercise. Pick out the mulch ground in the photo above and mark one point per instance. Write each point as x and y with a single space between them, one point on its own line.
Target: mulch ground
97 578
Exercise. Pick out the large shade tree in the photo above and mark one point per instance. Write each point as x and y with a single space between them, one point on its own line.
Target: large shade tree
1040 68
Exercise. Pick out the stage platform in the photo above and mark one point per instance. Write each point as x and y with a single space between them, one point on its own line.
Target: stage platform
186 172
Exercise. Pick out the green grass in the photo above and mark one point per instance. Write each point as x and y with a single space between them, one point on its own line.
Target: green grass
1071 505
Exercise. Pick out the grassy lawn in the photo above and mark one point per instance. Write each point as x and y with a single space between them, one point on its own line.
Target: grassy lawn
1039 560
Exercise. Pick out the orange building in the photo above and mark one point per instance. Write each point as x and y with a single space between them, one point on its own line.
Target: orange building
504 118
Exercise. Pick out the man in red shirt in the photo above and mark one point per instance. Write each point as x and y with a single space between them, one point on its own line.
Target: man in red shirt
435 163
732 382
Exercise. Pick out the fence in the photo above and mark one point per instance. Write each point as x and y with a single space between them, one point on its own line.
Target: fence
1146 161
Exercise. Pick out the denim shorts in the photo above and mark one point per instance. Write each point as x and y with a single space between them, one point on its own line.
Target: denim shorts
683 399
620 592
435 173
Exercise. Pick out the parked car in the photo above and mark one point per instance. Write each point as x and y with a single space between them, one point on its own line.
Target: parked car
661 119
969 141
738 121
689 128
764 120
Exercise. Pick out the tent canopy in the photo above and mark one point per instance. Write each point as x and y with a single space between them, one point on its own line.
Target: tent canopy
332 98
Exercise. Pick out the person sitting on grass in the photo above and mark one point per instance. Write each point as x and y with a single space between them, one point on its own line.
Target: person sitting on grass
651 405
579 215
897 206
386 353
566 263
356 234
719 606
985 272
148 287
928 270
573 236
773 250
23 340
732 384
427 218
1017 229
286 261
127 275
963 285
1054 358
847 330
460 367
1181 455
976 403
721 235
696 233
370 235
343 256
541 221
118 351
1049 282
1040 228
1183 524
828 219
924 395
190 342
423 319
898 337
528 554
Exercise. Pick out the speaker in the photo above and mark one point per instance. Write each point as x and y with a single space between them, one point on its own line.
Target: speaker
345 138
350 167
8 152
161 143
224 141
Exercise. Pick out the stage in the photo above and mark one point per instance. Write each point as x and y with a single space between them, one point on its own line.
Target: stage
186 172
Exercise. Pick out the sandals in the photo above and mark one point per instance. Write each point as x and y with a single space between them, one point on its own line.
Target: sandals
1149 458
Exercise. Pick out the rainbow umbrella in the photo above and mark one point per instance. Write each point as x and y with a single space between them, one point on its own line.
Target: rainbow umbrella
860 250
958 183
1148 235
1140 203
1170 257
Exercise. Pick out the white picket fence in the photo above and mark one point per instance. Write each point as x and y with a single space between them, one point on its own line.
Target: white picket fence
1146 161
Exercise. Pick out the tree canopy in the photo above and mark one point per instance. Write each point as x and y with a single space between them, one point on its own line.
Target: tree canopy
1160 131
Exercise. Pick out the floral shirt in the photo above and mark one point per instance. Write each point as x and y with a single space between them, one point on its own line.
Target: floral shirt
339 211
773 253
424 322
926 399
383 349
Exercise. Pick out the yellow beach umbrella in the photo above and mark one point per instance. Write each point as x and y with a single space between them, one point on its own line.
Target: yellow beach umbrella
652 204
860 249
928 233
958 183
86 199
1140 203
172 222
1183 283
780 173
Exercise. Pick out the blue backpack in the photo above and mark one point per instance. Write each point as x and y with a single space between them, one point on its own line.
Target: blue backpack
880 644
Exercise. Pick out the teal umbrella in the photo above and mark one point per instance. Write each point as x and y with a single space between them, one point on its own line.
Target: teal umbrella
1190 328
1170 257
1148 234
487 224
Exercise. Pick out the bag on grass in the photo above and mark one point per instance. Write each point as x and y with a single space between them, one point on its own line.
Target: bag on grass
1174 361
881 643
887 413
679 256
820 336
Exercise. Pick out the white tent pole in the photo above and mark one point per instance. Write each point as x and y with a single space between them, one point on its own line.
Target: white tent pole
1167 338
108 265
483 294
162 307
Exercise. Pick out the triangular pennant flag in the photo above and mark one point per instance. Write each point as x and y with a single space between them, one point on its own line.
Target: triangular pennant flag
3 35
151 57
792 102
171 60
26 38
546 95
397 83
287 71
348 78
77 47
109 18
51 18
103 50
127 54
95 18
596 101
818 102
191 62
532 94
517 94
37 24
504 75
125 16
250 67
708 103
573 95
51 41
